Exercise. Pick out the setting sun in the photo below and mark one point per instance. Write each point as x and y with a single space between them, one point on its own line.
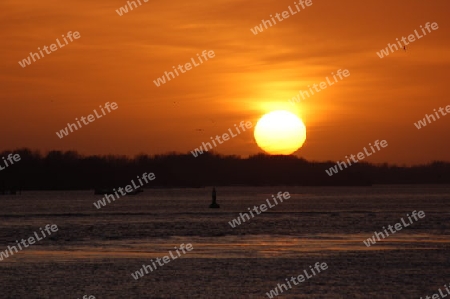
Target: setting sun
280 133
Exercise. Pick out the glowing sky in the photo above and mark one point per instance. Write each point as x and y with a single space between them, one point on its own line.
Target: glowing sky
118 57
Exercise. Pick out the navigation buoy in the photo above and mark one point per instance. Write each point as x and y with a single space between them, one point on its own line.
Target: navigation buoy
214 205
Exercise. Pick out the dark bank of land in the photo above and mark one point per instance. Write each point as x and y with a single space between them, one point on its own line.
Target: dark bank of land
58 170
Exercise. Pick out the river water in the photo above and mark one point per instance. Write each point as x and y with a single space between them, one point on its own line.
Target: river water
95 251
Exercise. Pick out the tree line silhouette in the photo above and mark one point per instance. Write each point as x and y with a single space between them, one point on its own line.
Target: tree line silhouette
57 170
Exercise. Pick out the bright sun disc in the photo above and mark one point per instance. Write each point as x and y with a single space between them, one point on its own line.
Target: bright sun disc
280 133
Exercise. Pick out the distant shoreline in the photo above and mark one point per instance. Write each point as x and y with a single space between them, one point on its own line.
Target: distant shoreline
57 170
208 188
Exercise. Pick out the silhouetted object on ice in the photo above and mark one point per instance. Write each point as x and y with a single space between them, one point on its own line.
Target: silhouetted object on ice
214 205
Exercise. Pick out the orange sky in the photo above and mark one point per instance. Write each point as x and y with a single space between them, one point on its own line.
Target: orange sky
118 57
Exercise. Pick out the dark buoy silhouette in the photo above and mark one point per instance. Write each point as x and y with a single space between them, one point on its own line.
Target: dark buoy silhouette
214 205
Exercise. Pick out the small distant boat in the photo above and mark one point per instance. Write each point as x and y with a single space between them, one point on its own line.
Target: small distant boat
103 191
9 189
8 192
136 191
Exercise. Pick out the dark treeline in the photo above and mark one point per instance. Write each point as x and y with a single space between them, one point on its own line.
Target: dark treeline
58 170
